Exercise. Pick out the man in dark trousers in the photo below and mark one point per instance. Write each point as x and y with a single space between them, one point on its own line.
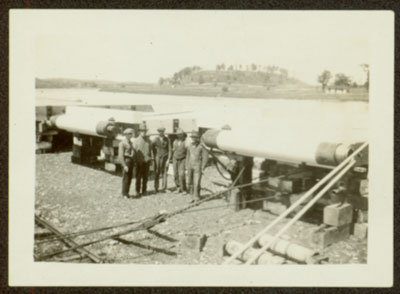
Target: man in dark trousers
178 161
142 147
162 155
196 161
126 155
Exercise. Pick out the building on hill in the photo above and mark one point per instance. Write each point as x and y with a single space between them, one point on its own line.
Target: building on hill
335 89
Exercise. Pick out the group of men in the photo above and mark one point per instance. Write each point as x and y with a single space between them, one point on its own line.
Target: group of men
189 161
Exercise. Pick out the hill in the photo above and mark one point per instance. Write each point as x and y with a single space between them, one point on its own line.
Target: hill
253 75
266 83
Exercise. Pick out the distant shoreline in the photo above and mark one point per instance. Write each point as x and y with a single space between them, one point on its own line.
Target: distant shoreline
239 92
233 91
229 84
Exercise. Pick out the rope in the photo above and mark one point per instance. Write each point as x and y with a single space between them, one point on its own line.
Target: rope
232 204
88 232
216 162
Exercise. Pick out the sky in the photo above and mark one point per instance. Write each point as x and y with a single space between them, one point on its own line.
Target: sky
143 46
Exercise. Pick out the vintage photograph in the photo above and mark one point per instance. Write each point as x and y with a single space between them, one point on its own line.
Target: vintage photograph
202 138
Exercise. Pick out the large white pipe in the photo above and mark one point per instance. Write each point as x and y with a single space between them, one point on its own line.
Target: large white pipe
84 125
287 147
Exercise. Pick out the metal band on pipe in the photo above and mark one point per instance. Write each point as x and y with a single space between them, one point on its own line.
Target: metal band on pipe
106 128
331 153
210 138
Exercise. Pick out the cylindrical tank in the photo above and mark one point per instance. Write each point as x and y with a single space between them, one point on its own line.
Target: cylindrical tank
288 147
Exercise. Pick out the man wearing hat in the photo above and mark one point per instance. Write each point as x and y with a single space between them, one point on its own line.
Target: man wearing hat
162 155
142 147
126 155
178 161
196 160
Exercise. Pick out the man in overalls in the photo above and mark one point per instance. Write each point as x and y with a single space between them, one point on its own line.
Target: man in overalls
196 161
178 161
162 155
126 155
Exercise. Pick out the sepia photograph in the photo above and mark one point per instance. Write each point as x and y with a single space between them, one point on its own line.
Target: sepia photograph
237 143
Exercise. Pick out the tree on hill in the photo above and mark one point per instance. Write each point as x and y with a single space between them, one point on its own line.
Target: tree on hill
365 67
220 67
196 68
270 69
228 74
283 74
341 80
176 79
201 79
324 78
266 79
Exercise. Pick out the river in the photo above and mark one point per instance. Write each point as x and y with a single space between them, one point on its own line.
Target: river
328 119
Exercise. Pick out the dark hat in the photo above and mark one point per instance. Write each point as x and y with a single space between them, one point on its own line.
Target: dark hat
179 132
128 131
161 129
142 127
195 134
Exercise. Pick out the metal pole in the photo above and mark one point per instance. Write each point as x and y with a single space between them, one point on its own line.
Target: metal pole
297 203
302 211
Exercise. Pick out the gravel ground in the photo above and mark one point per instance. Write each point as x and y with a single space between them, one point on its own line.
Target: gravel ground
75 198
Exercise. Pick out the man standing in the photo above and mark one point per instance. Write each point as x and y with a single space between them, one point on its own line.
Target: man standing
126 155
142 147
196 160
178 161
162 155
